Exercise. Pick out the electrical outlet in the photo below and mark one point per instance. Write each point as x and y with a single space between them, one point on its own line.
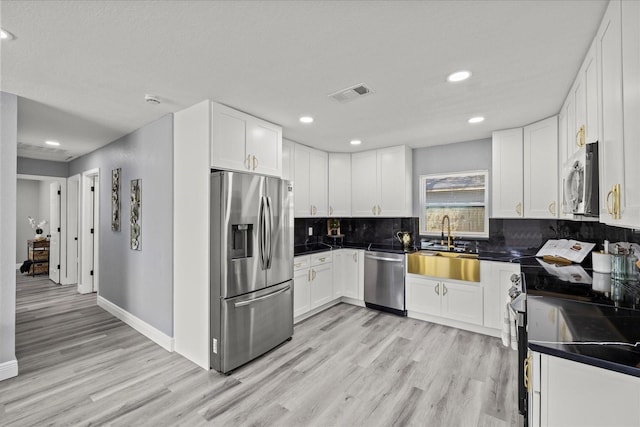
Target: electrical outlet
310 231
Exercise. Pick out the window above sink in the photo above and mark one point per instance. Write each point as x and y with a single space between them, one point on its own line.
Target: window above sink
463 196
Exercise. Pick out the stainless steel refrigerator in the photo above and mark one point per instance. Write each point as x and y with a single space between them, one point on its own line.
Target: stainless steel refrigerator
251 267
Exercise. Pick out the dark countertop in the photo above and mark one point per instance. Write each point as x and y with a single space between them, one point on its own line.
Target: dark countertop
581 315
299 250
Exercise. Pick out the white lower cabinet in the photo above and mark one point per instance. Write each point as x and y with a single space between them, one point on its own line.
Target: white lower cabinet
496 280
461 301
567 393
346 274
312 282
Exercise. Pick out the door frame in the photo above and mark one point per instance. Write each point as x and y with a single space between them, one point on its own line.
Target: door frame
63 214
89 206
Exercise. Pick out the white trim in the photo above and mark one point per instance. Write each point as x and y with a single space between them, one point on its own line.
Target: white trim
139 325
353 301
8 369
454 324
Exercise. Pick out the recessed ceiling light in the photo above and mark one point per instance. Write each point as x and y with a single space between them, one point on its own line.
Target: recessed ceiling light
476 119
306 119
5 35
355 142
56 143
458 76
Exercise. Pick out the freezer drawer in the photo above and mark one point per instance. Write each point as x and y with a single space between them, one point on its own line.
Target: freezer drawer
251 325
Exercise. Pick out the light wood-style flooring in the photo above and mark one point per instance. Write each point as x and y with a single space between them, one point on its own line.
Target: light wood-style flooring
347 366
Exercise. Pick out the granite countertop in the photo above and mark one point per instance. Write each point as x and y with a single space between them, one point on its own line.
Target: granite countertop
581 315
299 250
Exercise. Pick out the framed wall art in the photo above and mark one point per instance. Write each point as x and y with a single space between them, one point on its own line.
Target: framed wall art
136 211
115 199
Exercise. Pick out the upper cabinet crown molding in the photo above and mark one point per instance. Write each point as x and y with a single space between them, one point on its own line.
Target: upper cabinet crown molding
244 143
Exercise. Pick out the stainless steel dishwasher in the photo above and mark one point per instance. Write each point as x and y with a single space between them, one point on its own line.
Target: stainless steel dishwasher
384 282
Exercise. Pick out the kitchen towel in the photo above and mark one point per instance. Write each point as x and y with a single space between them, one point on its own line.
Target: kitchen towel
509 337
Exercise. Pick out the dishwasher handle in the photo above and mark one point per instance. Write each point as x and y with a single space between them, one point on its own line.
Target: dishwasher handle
367 256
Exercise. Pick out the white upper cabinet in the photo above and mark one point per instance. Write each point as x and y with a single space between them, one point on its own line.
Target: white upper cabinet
563 140
339 184
630 216
310 182
584 95
381 182
541 169
287 160
245 143
507 174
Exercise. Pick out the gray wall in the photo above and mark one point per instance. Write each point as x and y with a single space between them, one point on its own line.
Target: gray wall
42 167
8 178
458 157
27 204
140 282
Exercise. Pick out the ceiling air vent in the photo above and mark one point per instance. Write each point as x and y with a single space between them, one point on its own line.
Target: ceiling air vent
351 93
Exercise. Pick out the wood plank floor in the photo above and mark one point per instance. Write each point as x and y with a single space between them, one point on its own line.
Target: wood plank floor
347 366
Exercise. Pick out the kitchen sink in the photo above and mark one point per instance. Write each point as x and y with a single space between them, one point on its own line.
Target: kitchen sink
447 265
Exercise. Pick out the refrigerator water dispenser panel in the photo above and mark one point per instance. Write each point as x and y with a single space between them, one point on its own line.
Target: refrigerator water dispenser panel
242 246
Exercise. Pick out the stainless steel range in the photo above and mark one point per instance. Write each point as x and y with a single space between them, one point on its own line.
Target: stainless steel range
251 267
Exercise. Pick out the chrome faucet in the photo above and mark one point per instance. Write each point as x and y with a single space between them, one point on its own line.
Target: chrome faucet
449 245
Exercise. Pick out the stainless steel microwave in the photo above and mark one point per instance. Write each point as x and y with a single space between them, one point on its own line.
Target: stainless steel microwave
580 189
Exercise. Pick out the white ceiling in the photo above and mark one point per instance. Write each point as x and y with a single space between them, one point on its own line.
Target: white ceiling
82 68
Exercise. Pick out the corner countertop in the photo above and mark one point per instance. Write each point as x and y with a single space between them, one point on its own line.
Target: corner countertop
300 250
584 316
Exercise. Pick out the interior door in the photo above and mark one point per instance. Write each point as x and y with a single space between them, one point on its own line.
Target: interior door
280 196
86 284
54 229
71 234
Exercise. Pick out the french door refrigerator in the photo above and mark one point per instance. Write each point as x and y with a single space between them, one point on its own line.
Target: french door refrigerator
251 284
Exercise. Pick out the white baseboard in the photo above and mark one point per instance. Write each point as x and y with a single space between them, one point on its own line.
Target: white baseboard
454 324
8 369
139 325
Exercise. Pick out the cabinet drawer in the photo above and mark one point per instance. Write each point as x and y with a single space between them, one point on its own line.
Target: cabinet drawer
301 263
321 258
38 255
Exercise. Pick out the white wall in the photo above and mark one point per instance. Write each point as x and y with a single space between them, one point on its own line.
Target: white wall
8 179
27 204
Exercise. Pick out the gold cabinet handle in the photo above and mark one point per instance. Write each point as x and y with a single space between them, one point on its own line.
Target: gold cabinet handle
314 275
255 162
249 161
527 373
444 289
355 257
373 210
379 210
297 264
330 210
322 259
614 208
519 209
315 210
552 208
437 288
580 137
309 276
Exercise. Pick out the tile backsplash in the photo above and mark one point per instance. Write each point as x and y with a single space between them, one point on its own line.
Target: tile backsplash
381 231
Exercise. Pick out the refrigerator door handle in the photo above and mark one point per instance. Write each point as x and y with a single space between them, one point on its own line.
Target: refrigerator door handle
269 233
261 233
271 295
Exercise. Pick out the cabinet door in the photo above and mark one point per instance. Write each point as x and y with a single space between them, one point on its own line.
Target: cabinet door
287 160
496 280
575 394
318 170
631 104
228 139
339 184
264 145
302 204
301 295
507 175
563 140
345 273
423 295
461 301
364 184
540 169
611 150
590 72
394 178
321 285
